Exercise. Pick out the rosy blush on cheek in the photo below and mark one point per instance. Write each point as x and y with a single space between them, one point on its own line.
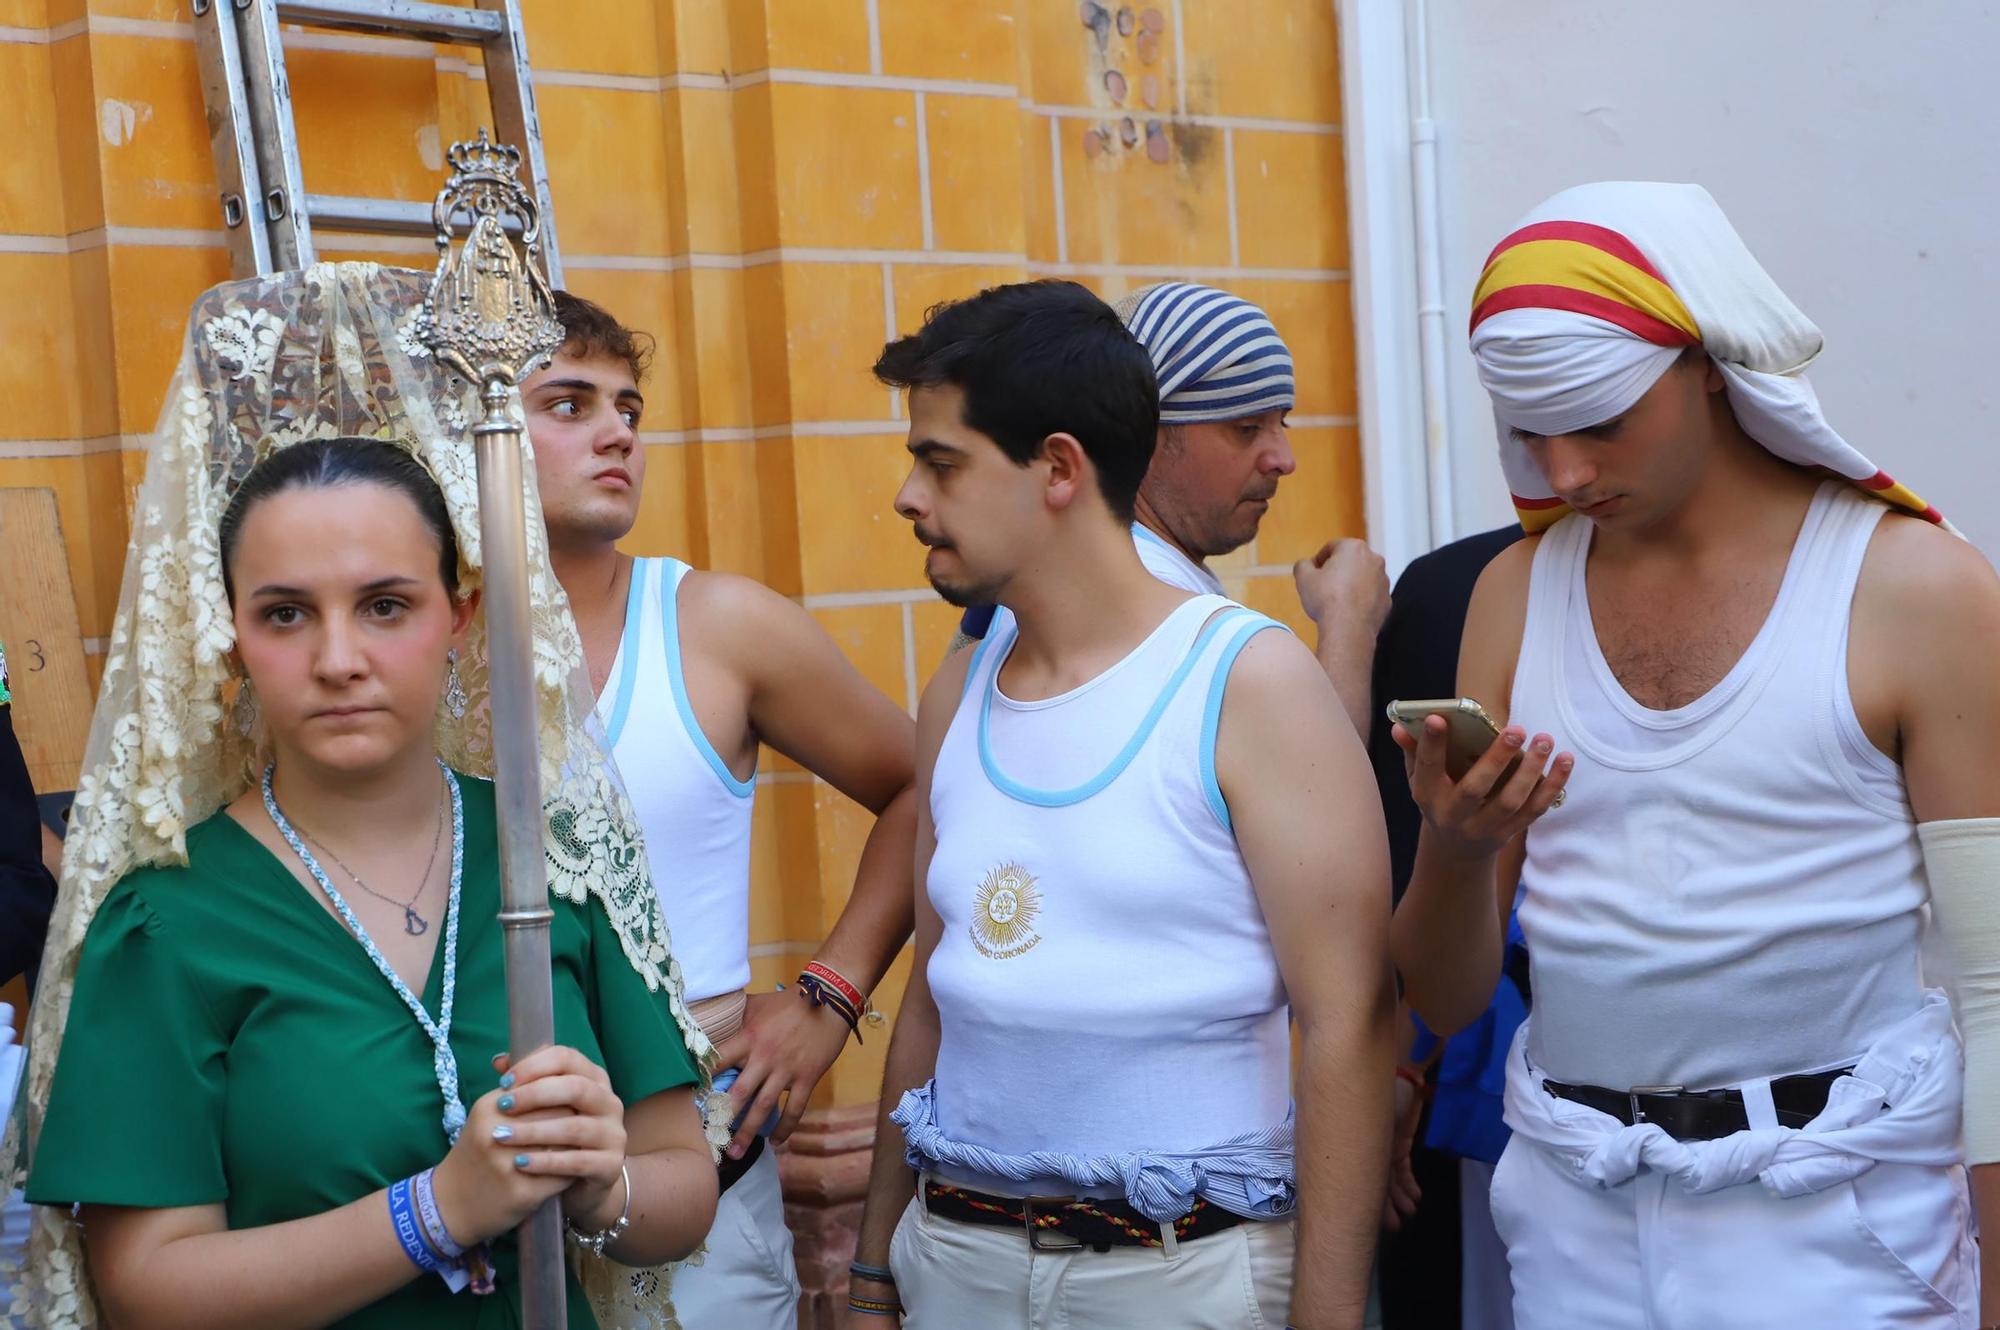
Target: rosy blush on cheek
279 669
411 666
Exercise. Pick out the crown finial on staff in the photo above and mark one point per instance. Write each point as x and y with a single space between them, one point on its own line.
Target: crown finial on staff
490 315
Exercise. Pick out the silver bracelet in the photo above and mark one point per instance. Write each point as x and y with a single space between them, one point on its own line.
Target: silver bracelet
595 1243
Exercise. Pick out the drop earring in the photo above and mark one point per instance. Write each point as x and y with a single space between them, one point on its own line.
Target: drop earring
243 714
454 687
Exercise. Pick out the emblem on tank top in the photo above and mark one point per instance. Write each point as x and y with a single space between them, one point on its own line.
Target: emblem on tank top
1003 912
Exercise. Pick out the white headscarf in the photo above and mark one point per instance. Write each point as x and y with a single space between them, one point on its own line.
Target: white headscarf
1596 293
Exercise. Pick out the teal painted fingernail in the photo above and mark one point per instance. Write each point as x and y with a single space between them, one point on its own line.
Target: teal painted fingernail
503 1133
506 1103
507 1081
520 1161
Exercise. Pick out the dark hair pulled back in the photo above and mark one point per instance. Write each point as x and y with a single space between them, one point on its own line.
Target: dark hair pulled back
326 463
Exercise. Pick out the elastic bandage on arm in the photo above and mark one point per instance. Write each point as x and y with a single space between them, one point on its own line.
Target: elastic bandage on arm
1962 858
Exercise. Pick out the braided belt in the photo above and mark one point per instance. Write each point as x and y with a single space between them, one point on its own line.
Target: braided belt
1066 1223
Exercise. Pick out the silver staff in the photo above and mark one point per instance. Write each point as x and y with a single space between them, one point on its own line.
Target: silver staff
491 319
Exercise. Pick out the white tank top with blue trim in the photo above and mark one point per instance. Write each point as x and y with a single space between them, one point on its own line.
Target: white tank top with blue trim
695 813
1104 981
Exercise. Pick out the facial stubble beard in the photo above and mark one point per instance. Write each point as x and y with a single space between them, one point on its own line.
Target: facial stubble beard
963 597
1206 535
585 526
1215 538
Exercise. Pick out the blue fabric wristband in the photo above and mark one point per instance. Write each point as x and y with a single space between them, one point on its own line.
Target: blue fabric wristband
409 1229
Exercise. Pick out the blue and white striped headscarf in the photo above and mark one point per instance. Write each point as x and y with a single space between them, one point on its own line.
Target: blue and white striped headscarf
1217 356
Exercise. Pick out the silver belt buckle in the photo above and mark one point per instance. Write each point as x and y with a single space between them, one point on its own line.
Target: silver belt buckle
1041 1239
1632 1098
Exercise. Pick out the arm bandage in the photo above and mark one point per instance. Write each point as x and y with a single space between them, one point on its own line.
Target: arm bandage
1962 858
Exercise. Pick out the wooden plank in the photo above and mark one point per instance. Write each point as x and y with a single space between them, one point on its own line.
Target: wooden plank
44 641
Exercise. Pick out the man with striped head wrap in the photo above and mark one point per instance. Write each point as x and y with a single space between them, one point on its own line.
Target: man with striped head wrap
1226 386
1734 1091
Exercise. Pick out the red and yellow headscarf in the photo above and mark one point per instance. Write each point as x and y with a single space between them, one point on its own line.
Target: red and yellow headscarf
1595 295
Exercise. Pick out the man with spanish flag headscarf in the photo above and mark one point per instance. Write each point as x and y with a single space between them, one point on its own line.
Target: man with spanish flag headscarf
1752 679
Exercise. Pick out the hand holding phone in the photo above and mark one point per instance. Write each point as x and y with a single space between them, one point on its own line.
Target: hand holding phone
1469 777
1469 731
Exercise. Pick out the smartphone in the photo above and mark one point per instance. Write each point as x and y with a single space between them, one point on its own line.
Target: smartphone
1469 733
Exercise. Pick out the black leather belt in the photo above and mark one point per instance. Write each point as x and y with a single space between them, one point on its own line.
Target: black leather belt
729 1172
1703 1115
1065 1223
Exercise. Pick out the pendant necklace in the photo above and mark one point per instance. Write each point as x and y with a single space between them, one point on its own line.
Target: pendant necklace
444 1063
413 923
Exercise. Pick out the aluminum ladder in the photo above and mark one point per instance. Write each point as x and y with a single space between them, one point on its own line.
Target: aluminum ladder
267 214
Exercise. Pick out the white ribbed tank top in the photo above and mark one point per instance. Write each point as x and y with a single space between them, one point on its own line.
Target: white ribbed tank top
1733 888
1104 979
693 810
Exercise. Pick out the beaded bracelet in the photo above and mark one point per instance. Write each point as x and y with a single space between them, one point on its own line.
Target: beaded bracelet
595 1243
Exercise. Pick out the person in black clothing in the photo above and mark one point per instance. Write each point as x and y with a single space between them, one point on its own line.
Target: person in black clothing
1416 656
27 892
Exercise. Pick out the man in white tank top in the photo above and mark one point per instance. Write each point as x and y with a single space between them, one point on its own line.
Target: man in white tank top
1146 837
694 671
1734 1103
1226 389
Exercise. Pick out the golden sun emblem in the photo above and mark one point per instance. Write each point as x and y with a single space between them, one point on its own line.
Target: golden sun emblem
1003 912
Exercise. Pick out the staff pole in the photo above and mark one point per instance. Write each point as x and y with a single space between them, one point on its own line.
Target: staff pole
490 318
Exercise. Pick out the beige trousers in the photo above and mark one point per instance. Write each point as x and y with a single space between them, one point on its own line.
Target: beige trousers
952 1276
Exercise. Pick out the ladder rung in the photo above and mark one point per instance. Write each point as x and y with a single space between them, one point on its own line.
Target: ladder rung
270 214
335 212
399 18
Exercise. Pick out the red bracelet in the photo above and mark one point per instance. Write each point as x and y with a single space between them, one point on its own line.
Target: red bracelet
826 974
1405 1072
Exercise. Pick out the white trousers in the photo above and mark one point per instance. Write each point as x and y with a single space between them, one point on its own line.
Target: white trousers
747 1280
957 1276
1891 1248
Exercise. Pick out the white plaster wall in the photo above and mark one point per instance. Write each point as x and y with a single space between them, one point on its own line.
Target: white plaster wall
1855 144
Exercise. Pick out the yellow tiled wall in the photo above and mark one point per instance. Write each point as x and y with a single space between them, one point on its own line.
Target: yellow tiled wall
772 187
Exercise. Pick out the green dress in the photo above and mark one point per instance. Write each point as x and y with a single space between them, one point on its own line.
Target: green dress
231 1042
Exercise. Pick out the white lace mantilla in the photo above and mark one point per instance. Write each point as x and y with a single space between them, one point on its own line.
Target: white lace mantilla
269 362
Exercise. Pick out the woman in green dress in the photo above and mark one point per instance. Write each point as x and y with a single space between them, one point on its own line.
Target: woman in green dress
282 1099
